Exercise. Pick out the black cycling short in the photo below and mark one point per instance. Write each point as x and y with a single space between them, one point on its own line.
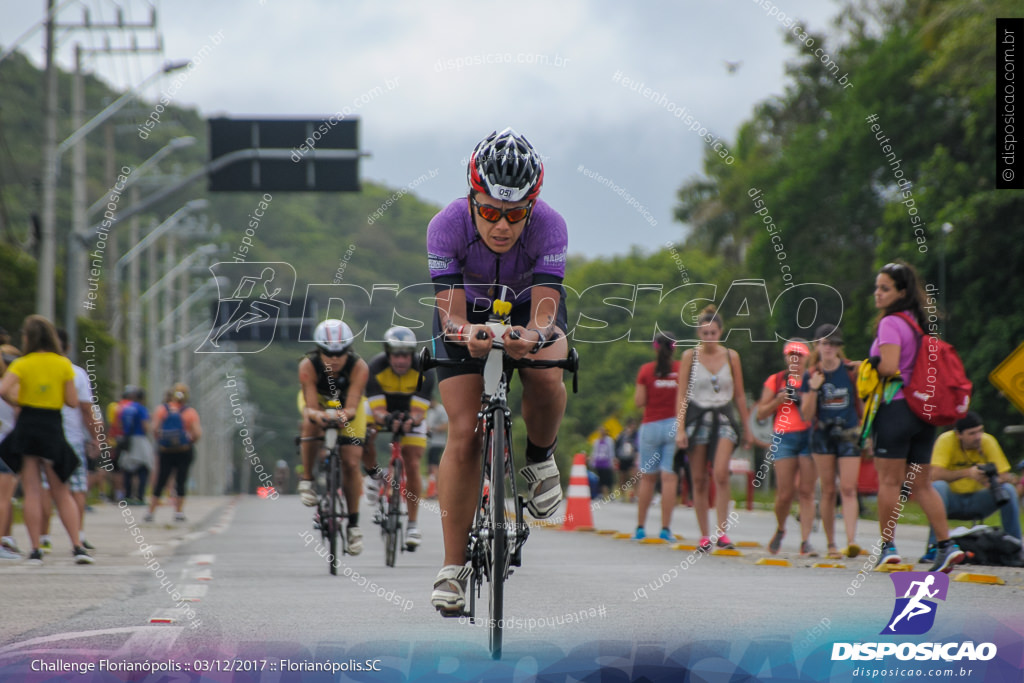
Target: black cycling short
901 435
520 317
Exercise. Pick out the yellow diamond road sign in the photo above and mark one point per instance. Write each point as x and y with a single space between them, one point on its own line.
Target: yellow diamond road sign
1008 377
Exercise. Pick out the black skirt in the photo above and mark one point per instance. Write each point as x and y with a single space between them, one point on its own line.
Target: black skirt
39 432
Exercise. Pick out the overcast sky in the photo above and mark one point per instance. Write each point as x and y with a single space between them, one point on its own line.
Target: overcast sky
429 79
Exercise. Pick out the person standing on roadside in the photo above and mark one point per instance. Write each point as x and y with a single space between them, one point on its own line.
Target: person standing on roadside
39 384
602 461
829 402
176 429
790 450
705 424
655 394
81 431
8 481
626 448
138 458
903 441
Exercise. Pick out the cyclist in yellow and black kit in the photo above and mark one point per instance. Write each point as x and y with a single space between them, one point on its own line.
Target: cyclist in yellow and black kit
391 388
334 372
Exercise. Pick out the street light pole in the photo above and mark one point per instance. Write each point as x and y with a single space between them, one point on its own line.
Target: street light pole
52 154
48 234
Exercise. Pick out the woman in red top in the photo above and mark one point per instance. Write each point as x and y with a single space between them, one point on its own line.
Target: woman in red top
655 394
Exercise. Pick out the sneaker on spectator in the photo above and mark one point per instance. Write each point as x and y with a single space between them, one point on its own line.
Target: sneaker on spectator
88 546
705 544
35 557
179 516
776 542
6 554
45 544
946 557
640 534
724 543
666 535
929 554
807 550
81 556
11 544
889 555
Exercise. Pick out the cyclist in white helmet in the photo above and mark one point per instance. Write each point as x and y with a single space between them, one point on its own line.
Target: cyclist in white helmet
333 371
501 237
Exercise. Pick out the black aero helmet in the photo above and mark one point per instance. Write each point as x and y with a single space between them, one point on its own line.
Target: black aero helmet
506 167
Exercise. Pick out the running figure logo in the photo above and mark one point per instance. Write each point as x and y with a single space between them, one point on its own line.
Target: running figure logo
913 613
256 293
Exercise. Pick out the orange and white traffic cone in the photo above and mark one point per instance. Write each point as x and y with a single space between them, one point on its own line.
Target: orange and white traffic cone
577 507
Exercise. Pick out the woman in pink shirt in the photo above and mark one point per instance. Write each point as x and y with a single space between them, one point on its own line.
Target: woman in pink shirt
903 441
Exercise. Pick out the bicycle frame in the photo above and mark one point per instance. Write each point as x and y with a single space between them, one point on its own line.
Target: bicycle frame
332 507
389 502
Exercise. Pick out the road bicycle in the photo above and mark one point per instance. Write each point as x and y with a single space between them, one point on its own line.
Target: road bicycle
331 510
390 508
498 533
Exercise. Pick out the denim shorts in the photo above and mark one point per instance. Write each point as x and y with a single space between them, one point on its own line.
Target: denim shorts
700 435
657 446
822 444
790 445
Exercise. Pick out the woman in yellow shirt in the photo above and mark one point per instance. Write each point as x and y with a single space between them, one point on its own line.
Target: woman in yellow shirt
38 384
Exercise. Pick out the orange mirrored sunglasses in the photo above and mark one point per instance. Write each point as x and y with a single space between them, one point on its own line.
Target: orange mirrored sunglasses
493 214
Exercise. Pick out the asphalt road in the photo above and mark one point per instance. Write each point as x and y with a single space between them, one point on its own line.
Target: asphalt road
582 599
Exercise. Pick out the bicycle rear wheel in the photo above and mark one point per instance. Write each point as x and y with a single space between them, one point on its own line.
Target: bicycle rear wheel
499 535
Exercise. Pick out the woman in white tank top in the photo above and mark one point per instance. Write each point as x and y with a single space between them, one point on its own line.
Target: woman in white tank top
710 380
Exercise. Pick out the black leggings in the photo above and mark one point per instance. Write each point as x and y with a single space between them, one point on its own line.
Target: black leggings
135 482
180 463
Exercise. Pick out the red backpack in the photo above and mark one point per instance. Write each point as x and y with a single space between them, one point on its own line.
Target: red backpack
939 391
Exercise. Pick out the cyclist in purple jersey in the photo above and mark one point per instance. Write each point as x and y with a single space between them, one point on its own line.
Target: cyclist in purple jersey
500 236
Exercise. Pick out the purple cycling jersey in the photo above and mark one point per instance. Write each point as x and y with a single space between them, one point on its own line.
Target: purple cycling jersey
455 251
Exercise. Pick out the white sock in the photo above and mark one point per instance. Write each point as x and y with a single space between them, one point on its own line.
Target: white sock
81 537
44 539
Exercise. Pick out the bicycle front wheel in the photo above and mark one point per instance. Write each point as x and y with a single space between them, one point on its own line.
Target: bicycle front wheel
393 523
335 513
499 534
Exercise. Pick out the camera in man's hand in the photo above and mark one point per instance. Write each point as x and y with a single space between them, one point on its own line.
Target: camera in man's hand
1001 495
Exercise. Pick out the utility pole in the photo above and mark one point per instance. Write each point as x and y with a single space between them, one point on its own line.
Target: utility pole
76 258
48 238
